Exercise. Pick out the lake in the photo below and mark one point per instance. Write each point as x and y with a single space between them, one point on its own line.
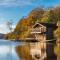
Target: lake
7 50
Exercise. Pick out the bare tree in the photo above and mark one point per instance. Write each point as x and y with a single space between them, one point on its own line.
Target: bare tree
9 25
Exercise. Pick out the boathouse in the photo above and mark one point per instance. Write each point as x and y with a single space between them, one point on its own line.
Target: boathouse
43 33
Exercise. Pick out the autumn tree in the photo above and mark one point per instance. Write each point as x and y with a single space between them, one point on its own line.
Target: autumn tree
49 17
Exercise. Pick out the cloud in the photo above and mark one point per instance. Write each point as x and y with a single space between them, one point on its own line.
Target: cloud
3 24
8 3
4 29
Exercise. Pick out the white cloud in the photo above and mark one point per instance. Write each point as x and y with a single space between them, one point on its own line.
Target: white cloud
3 25
4 29
20 3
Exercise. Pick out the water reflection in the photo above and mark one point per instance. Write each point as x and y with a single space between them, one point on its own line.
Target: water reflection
7 50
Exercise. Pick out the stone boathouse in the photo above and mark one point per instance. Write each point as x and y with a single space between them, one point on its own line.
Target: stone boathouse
43 33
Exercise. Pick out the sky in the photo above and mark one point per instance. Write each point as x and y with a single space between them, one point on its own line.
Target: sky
14 10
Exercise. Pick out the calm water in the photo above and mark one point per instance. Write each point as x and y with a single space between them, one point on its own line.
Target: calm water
7 50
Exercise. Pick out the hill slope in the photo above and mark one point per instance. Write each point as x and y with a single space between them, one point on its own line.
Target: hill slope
38 14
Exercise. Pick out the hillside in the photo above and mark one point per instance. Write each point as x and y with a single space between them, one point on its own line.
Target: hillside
40 15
